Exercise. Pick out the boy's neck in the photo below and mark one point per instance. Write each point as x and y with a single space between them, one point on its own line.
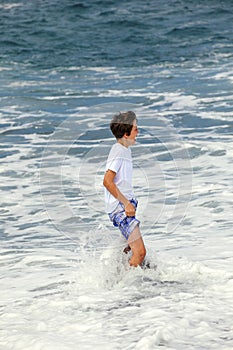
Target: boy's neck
123 142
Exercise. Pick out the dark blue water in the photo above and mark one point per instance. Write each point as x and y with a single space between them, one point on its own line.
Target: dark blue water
112 33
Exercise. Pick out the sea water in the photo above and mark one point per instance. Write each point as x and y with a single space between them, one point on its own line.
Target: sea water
65 69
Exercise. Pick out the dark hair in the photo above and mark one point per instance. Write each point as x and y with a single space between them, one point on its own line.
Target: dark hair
122 124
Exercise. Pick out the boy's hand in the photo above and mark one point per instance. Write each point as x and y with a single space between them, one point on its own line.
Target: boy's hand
129 209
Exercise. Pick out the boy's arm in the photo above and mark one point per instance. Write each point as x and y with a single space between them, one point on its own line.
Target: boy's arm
115 192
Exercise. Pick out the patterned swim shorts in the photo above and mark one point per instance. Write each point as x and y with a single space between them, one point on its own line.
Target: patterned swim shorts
126 224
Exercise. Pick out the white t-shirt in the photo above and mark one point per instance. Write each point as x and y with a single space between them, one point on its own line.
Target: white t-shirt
119 161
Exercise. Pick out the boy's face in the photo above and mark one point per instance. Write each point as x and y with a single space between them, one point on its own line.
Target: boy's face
131 139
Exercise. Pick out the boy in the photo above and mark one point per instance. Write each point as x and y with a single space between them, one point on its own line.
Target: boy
119 197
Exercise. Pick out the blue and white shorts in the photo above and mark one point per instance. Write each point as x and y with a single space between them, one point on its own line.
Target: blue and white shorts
126 224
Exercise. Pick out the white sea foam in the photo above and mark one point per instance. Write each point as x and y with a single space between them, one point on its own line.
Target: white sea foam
60 289
10 6
62 300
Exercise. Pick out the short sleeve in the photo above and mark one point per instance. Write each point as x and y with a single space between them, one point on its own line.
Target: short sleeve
114 164
115 159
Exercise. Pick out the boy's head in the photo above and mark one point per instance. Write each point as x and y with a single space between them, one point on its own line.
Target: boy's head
122 124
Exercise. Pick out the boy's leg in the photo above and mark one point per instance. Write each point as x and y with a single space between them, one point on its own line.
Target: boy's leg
127 249
137 246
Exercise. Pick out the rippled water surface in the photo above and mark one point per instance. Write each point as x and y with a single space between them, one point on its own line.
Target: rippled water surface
65 69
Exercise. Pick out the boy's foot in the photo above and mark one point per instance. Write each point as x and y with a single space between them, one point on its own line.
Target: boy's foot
127 249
